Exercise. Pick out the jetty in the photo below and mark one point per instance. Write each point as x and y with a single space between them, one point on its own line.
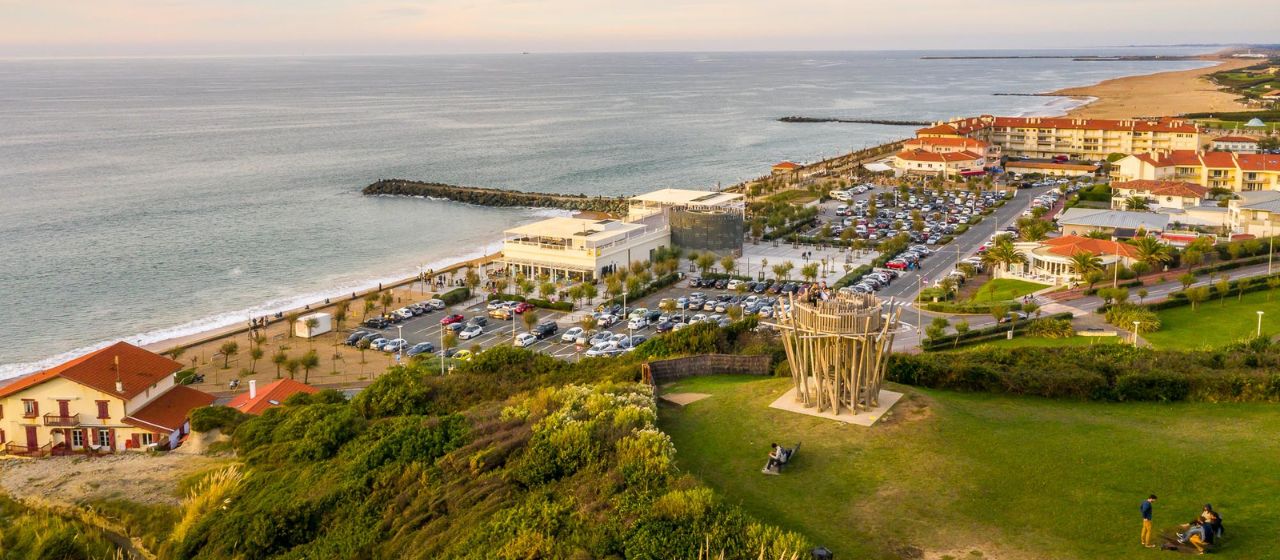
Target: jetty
888 122
484 196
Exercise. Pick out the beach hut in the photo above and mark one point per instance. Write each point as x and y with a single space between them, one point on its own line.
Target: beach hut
304 328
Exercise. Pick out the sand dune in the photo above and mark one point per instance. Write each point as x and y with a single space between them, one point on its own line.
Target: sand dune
1160 94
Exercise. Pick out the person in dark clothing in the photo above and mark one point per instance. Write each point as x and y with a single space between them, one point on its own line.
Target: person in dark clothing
1146 521
1213 521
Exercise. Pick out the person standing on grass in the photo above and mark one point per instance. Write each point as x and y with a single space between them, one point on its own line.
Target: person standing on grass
1146 521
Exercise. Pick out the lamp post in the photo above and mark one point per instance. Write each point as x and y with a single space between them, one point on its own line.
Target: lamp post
1260 323
399 345
1135 333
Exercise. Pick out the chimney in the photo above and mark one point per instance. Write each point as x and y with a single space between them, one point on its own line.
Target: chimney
253 389
119 383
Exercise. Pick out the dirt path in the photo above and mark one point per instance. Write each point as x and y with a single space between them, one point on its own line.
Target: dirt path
135 477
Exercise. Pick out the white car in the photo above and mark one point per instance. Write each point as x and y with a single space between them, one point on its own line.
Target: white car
602 349
638 312
403 313
571 335
471 332
840 195
637 323
394 345
733 284
525 339
438 304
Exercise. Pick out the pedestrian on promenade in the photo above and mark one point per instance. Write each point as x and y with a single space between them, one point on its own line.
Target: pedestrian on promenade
1146 521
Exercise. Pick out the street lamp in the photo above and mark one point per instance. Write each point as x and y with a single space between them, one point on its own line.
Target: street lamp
1135 333
399 345
1260 323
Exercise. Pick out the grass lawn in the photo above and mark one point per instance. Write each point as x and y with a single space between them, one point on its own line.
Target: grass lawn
1217 322
1012 478
1038 342
1005 289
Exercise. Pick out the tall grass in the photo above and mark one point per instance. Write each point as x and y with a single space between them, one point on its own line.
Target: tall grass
27 532
211 493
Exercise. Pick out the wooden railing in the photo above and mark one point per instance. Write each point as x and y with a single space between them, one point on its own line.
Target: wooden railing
20 450
59 420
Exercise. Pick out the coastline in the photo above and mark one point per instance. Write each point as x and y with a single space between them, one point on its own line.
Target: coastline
1157 94
204 331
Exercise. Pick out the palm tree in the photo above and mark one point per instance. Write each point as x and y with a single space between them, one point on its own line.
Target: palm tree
530 319
1084 262
228 349
255 354
289 319
386 299
312 323
281 358
1005 254
588 323
589 292
546 289
809 272
292 366
1152 251
705 261
728 263
340 312
370 302
1136 203
308 361
471 279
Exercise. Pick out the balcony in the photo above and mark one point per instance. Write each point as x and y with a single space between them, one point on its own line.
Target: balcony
63 421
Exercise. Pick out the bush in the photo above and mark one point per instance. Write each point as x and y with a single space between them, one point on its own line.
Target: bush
1123 315
989 333
1051 328
542 303
208 418
971 308
455 296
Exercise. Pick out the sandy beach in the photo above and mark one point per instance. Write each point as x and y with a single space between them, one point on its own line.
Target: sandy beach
1159 94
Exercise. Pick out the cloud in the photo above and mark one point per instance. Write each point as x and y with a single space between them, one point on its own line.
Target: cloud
403 11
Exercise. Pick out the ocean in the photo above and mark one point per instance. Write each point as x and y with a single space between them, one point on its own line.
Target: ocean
145 199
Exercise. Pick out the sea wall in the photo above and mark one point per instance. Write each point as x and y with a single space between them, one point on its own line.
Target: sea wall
496 197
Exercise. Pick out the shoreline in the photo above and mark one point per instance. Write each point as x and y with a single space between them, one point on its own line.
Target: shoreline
1077 96
1168 93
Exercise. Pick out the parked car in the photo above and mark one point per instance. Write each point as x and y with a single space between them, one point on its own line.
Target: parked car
395 345
501 313
421 348
436 303
571 335
451 319
479 320
522 307
1012 315
637 323
544 330
376 323
471 332
378 343
525 339
354 338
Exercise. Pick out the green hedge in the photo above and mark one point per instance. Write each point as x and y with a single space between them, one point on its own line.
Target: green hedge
1100 373
455 296
971 308
853 276
986 333
536 302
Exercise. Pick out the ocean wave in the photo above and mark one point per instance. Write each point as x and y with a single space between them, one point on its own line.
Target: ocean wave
220 321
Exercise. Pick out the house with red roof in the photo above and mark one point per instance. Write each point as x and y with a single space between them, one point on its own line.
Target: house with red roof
1050 261
1237 144
117 398
785 167
1158 194
257 401
920 161
1238 172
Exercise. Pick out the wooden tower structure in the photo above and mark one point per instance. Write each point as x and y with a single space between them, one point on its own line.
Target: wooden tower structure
838 349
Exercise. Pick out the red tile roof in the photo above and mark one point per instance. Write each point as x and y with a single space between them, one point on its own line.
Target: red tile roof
1235 139
1218 159
787 165
1164 188
962 143
1161 125
1069 245
925 155
269 396
1148 158
139 369
1259 162
169 411
1183 158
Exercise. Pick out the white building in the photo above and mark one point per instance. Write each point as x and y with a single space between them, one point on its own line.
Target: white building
1049 261
1158 194
580 249
1237 144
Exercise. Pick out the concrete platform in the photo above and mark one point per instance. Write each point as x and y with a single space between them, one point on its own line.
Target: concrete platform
866 418
682 399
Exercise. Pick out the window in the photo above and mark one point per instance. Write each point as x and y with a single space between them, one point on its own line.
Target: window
104 437
30 409
77 438
103 409
146 438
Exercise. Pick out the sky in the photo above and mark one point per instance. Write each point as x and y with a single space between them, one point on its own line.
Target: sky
33 28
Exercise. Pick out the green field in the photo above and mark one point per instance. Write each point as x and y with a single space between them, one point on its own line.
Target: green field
1005 289
1217 322
1037 342
1012 478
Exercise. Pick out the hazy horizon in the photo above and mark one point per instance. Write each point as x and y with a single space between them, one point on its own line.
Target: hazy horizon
159 28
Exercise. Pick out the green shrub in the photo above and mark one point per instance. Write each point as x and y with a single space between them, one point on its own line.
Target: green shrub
208 418
455 296
1051 328
1124 315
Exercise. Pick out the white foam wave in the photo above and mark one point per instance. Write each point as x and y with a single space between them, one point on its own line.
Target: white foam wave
240 316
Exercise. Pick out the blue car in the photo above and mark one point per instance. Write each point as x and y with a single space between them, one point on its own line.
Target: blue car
421 348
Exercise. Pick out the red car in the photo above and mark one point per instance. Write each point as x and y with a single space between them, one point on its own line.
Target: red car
451 319
896 264
522 307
